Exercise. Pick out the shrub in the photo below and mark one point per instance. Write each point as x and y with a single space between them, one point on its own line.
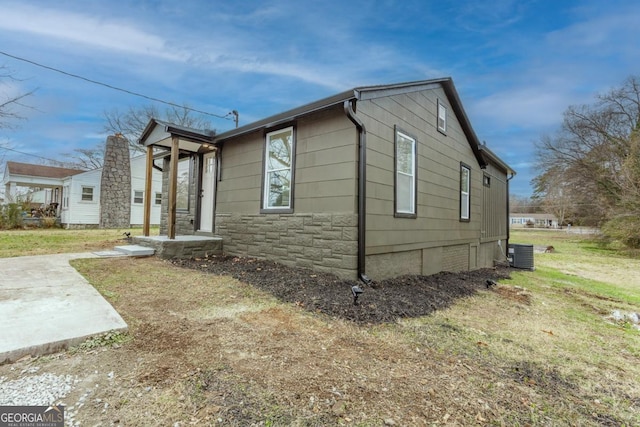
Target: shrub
11 216
625 228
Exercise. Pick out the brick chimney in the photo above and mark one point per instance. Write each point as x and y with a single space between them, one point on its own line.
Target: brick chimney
115 185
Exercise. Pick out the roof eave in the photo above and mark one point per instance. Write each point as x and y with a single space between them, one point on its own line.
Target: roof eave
288 116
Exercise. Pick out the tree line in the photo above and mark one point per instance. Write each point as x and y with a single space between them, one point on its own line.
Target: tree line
590 168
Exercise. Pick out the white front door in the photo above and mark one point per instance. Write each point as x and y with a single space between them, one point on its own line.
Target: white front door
208 191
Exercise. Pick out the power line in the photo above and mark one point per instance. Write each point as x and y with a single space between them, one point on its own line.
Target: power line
28 154
76 76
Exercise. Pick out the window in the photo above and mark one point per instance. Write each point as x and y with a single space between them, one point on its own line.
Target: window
278 170
486 180
65 197
465 183
87 194
138 196
182 188
442 117
405 175
158 200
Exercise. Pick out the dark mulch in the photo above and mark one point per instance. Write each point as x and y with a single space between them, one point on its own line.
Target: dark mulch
383 301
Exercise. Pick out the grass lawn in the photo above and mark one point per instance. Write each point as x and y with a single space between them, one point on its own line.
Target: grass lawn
540 349
41 241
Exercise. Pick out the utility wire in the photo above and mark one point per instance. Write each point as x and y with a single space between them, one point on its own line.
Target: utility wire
76 76
28 154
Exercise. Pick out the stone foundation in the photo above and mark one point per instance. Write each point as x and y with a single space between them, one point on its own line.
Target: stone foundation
322 242
181 246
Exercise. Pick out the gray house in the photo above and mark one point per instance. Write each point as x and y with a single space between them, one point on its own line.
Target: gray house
373 182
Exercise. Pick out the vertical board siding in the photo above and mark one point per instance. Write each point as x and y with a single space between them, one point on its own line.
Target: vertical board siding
494 217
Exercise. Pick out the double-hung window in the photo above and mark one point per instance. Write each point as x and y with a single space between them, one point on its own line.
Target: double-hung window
138 196
465 184
87 194
278 170
405 201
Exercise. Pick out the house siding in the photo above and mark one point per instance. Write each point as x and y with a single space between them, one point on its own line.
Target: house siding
321 233
321 229
395 245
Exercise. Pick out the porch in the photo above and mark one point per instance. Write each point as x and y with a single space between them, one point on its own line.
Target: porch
181 246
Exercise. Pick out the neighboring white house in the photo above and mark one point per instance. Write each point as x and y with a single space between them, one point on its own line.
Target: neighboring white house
77 194
538 220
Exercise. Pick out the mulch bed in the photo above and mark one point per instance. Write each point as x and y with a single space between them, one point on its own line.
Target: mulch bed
381 302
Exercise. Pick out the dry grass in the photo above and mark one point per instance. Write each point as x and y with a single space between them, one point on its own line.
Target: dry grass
41 241
211 350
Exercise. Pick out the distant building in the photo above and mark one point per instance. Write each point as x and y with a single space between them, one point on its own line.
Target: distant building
533 220
74 195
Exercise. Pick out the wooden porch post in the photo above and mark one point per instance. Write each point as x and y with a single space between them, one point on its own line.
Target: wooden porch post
173 185
147 192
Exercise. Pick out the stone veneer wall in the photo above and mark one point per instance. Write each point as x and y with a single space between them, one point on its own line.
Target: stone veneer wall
115 185
322 242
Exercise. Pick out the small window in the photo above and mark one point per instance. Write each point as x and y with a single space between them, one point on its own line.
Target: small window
486 180
87 194
138 196
278 169
442 117
465 183
158 200
405 175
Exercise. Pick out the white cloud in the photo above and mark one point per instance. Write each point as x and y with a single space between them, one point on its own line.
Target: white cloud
86 30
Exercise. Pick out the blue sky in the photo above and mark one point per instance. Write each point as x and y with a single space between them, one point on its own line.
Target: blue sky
517 64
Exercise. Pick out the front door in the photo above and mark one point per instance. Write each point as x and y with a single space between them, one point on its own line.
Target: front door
208 191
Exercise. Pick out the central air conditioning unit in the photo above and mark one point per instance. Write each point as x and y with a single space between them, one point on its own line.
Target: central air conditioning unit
521 256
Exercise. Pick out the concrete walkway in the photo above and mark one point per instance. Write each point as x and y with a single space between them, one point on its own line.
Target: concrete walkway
47 306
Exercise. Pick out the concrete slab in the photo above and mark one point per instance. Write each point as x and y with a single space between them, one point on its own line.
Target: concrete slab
47 306
135 250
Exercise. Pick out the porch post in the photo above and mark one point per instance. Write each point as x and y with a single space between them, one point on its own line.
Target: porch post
173 185
147 192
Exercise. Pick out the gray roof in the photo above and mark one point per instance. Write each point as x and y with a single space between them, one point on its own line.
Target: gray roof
28 169
357 93
362 93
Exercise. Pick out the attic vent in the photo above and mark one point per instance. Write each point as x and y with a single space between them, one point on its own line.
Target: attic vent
521 256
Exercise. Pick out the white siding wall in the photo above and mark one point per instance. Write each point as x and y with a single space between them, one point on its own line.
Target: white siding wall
84 212
80 211
138 172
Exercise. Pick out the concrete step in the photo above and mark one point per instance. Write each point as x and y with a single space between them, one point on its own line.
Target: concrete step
135 250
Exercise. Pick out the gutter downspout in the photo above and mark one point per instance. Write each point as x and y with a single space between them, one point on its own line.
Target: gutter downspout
513 174
362 186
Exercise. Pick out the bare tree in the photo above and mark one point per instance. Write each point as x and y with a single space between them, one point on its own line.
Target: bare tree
131 123
9 101
83 158
594 159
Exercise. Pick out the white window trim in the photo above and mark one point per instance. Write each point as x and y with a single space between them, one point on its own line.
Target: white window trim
267 171
157 197
442 117
465 208
413 175
141 197
93 194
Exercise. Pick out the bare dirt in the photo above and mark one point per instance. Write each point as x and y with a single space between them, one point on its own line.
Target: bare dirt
211 343
384 301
